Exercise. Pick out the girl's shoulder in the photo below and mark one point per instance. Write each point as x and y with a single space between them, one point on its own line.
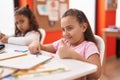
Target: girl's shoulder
86 44
89 45
30 32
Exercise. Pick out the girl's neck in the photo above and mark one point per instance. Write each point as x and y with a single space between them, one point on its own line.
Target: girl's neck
77 43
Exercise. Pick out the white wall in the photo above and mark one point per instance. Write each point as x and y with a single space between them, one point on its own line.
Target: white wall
88 7
118 14
7 16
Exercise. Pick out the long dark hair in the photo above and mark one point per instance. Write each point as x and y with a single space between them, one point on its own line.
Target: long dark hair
32 20
81 18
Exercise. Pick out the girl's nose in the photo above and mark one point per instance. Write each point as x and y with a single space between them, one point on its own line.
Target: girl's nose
19 25
65 33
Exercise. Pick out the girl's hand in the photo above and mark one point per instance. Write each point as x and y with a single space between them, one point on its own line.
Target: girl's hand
4 39
34 47
2 35
65 50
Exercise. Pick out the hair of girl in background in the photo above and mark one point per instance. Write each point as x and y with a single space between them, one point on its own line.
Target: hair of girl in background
32 20
81 18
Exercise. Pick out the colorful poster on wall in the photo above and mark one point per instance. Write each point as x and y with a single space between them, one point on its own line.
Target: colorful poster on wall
42 10
53 15
63 8
53 10
53 4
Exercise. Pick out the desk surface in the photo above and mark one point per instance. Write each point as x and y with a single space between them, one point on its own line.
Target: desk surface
77 69
111 32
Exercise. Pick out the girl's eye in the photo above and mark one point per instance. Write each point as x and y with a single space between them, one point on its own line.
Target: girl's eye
63 29
16 23
69 28
21 21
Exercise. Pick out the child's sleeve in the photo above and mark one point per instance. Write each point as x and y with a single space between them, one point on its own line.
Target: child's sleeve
26 40
91 49
56 44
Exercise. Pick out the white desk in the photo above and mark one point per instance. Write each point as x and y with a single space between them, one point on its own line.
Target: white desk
77 70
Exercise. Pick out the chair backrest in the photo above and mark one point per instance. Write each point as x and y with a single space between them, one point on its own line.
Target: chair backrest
43 32
101 46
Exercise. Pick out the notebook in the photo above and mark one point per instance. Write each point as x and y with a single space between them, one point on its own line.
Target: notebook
52 66
24 62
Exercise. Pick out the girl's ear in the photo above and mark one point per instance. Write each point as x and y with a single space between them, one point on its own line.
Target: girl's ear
84 26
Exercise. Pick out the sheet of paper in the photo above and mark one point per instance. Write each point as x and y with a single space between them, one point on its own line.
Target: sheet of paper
12 51
24 62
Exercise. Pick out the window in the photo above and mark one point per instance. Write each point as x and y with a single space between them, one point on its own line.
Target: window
7 16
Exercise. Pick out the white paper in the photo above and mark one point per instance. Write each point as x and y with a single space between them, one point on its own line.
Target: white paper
24 62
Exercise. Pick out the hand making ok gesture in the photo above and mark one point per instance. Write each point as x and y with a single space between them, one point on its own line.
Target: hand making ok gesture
65 51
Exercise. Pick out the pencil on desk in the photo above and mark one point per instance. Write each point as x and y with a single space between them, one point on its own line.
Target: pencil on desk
37 54
26 72
13 57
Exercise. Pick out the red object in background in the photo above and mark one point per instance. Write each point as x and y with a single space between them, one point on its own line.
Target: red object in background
30 3
23 3
106 18
111 41
52 36
110 46
100 23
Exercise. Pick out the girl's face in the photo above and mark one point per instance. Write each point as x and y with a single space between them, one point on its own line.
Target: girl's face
72 31
22 23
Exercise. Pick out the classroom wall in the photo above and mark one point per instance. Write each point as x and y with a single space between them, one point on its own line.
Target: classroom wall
7 17
88 7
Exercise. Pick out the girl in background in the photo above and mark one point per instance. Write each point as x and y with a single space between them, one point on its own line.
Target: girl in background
78 42
26 28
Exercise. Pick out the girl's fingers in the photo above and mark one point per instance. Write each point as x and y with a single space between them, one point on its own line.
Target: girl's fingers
1 35
32 49
63 43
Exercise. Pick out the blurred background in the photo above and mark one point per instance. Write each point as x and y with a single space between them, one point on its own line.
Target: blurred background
102 15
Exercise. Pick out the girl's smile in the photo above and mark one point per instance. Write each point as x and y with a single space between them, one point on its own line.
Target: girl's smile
72 30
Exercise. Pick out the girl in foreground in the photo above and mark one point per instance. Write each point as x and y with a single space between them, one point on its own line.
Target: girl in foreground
78 42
